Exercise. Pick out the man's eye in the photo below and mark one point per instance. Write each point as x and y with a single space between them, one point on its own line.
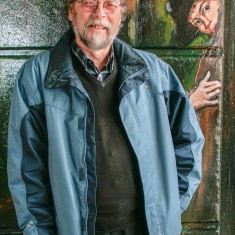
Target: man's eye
89 3
111 3
207 8
197 22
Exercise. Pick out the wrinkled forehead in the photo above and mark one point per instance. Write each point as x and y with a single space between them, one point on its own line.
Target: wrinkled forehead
196 9
199 7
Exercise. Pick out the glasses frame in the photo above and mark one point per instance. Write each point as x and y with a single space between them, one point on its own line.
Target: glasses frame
80 1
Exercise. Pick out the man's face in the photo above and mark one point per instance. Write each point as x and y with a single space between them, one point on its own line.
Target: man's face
204 15
96 29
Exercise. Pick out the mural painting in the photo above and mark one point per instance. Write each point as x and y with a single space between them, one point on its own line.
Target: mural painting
207 17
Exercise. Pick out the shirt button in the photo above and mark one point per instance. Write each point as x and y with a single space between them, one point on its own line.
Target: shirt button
29 224
145 75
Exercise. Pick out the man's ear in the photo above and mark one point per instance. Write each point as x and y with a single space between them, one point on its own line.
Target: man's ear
71 13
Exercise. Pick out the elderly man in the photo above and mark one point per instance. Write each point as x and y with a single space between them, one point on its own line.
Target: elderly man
102 138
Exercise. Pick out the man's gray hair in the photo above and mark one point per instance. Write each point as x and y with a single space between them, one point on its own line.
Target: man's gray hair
70 3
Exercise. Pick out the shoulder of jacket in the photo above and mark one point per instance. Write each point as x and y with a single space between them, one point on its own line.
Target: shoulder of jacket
161 72
31 76
152 59
40 59
34 66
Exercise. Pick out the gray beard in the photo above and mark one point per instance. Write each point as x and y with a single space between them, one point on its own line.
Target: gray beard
95 43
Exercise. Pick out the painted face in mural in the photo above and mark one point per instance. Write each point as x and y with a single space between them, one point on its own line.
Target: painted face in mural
204 15
95 27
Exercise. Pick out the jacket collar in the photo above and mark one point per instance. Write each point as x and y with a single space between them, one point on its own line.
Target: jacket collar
61 73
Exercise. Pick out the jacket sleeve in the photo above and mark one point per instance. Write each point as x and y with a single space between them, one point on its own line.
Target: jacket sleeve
187 137
27 167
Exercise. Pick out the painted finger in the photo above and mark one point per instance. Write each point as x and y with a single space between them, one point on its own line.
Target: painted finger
208 89
211 102
214 93
207 77
213 83
215 86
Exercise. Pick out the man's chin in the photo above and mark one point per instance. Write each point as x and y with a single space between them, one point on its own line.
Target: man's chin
98 46
98 43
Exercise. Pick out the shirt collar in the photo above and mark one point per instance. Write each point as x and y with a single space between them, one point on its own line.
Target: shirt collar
88 64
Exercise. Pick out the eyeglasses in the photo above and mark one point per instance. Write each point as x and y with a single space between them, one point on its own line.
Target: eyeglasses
110 7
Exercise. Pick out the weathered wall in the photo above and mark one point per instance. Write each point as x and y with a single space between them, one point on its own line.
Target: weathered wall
160 26
27 27
228 127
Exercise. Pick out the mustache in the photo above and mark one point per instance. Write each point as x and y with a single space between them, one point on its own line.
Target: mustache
101 23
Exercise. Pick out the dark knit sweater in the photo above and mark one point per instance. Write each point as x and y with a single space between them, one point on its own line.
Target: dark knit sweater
119 196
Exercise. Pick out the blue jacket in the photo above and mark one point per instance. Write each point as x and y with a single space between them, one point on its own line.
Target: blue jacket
52 142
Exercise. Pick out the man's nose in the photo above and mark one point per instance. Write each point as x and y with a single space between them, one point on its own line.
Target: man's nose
99 11
206 21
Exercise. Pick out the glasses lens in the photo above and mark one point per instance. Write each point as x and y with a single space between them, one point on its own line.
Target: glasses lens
109 6
89 5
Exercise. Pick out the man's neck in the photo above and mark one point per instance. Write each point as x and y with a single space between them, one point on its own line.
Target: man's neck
99 57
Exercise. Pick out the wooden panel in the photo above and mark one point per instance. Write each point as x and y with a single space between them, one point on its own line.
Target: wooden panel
201 229
228 125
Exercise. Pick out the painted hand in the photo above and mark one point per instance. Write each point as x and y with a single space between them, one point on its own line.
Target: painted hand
206 93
